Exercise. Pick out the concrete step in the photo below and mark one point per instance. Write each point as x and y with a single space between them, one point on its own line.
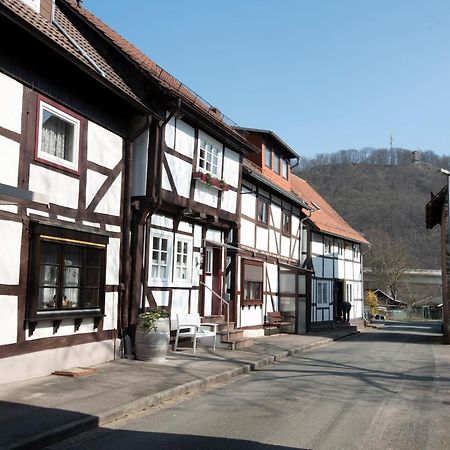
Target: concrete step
223 326
214 319
235 333
236 343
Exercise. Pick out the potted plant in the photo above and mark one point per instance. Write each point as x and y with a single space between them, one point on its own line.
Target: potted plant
152 335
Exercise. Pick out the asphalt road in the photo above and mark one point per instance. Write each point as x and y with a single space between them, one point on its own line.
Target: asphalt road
384 389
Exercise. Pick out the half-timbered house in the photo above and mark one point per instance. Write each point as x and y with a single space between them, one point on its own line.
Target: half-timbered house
270 277
334 253
68 118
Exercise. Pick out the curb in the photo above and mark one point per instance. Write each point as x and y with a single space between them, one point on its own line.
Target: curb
79 426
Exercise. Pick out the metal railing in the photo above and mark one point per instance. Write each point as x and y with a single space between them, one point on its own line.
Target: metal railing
226 302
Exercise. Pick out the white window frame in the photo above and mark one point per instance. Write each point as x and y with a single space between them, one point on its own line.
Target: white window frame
284 168
207 140
160 234
328 246
33 4
41 155
355 250
267 161
184 240
208 259
340 246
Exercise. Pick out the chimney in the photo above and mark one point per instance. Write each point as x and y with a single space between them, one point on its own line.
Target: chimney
46 9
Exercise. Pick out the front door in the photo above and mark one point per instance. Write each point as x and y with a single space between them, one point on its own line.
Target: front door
213 280
339 300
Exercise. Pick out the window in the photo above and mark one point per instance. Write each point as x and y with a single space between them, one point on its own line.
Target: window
328 246
208 159
276 163
349 293
323 292
208 260
58 137
183 255
284 168
286 222
252 283
161 248
340 248
267 156
355 251
67 272
262 210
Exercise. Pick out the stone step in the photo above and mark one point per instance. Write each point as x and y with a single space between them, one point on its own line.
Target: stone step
214 318
235 334
223 326
237 343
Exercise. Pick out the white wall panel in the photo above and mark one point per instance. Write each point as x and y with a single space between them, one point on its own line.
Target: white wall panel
10 244
169 133
162 221
262 238
275 216
274 242
103 147
112 261
9 161
317 262
194 301
251 316
66 219
11 104
271 274
111 311
165 184
61 189
229 201
111 201
181 172
161 297
8 319
348 270
94 182
247 233
37 212
316 244
196 268
140 162
231 168
248 205
91 224
205 194
214 235
197 236
285 245
180 302
356 271
328 268
184 139
339 269
185 227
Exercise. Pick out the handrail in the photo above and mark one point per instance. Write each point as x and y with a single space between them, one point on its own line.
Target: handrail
223 301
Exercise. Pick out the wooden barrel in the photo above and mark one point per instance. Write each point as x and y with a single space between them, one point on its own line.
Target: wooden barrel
153 346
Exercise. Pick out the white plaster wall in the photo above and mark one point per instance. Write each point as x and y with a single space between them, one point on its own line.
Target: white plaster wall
295 248
91 224
274 241
207 297
197 236
37 212
316 244
112 228
184 139
165 181
10 244
251 316
162 221
271 274
196 258
248 205
348 252
111 201
94 182
317 261
181 172
328 268
103 147
247 233
37 364
262 239
111 311
169 133
185 227
44 329
61 189
8 319
348 270
276 216
194 301
339 269
112 261
161 297
214 235
231 168
180 302
205 194
285 245
295 225
11 93
229 201
356 271
66 219
9 161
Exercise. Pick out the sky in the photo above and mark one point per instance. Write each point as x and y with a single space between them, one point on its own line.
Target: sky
324 75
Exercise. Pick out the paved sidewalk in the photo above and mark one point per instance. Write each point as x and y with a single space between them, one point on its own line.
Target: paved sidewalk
45 410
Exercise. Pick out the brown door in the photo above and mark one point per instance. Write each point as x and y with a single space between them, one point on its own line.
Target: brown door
217 275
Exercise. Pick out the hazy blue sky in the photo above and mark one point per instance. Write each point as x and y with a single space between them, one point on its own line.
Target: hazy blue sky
323 74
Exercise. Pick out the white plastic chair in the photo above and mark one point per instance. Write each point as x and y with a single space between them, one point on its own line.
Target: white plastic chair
190 325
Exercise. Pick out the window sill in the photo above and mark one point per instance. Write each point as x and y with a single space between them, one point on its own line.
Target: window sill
211 181
61 315
251 303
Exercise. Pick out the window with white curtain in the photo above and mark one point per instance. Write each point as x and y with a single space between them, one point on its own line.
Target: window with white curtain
160 256
58 137
183 257
323 292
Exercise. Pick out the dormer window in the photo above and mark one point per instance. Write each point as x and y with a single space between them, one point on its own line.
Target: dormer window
276 163
267 157
284 168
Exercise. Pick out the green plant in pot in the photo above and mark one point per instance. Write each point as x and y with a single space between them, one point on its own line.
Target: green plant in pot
152 336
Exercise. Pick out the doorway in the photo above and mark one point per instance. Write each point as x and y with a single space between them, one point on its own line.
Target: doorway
339 300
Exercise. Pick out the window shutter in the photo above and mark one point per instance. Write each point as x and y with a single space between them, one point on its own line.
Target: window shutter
253 273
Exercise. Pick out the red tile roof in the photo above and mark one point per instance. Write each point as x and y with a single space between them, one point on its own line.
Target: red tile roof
325 219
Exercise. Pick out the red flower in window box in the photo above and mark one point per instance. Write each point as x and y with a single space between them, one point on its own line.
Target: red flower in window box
211 181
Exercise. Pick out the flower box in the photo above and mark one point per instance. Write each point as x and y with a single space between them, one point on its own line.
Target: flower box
207 178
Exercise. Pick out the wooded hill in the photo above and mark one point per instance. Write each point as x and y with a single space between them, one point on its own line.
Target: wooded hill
383 194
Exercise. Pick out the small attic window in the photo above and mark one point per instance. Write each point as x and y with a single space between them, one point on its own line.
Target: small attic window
316 206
